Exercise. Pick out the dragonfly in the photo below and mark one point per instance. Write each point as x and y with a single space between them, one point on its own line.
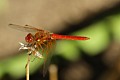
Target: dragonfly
40 39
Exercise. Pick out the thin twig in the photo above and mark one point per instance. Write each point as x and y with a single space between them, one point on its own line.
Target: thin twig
27 68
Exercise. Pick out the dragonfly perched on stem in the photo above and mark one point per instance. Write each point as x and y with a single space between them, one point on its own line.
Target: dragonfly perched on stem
42 40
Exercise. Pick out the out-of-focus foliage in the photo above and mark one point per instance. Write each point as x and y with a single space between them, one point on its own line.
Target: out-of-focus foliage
67 49
114 25
15 66
99 38
99 34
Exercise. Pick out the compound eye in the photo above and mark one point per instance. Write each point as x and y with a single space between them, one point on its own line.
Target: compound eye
29 38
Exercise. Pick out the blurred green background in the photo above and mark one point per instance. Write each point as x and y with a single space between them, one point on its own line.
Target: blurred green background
94 59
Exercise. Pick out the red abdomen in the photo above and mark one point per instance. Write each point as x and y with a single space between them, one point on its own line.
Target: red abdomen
57 36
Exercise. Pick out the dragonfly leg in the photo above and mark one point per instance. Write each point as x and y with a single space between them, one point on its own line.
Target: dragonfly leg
44 45
33 59
40 47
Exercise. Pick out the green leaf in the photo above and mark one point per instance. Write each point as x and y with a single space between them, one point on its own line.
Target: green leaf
67 49
114 22
99 38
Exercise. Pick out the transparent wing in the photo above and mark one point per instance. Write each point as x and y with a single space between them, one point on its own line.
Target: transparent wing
49 53
25 28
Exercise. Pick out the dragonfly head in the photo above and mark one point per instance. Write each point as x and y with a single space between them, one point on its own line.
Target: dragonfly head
29 38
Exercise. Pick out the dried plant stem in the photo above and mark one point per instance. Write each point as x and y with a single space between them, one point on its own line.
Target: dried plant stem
27 68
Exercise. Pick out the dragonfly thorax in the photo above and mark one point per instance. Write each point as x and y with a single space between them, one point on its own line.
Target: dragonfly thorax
41 36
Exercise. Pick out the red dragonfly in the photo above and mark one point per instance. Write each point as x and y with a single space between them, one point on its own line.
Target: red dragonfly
42 40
